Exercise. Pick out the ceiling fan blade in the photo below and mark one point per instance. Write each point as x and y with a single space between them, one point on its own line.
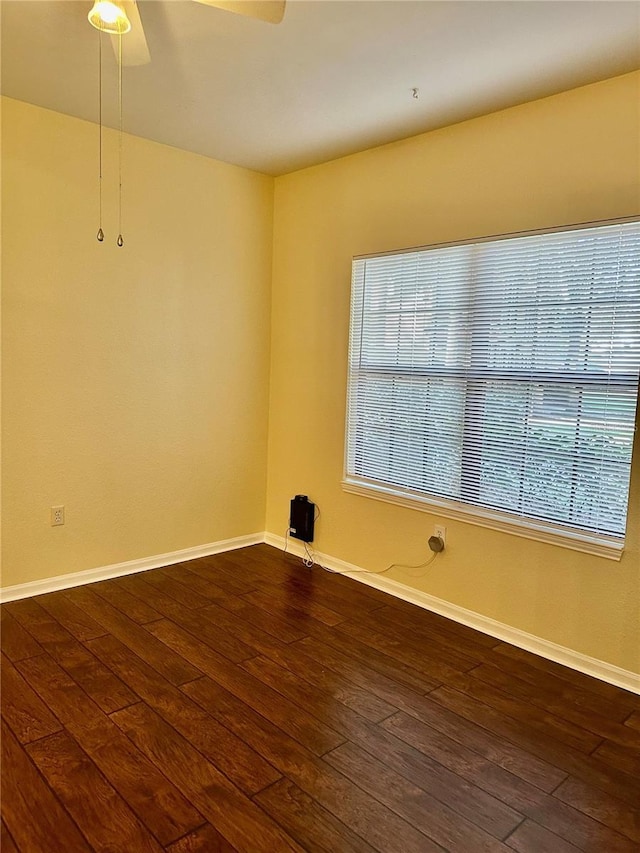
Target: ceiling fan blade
271 11
134 44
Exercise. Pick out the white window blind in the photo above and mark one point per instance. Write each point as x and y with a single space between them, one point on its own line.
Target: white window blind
501 374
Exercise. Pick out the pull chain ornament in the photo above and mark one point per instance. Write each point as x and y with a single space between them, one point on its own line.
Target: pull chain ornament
120 241
100 235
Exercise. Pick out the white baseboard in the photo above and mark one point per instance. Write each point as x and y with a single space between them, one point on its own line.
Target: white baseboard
26 590
544 648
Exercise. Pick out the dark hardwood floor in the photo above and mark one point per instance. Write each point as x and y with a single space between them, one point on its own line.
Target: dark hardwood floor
243 702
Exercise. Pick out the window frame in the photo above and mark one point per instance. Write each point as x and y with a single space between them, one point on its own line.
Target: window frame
598 544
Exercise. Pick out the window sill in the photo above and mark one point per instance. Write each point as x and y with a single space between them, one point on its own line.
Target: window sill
599 546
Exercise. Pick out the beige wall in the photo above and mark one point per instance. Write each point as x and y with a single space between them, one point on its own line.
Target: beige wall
565 159
135 380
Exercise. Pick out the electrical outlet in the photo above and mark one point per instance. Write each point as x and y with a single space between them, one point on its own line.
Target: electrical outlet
441 532
57 516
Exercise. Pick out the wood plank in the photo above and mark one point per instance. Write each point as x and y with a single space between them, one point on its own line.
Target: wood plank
16 643
24 711
102 815
463 757
204 587
135 586
531 838
626 759
132 606
25 797
7 844
218 629
348 664
275 601
522 676
248 632
224 573
155 800
501 750
76 620
630 701
445 786
185 596
497 722
602 806
316 736
347 692
348 601
454 790
426 644
37 621
95 679
527 714
342 583
313 827
439 822
363 654
267 569
169 665
633 720
524 797
206 839
235 816
581 713
585 768
256 568
224 643
579 829
228 645
246 769
426 623
317 702
363 814
428 667
421 624
396 670
267 622
285 568
497 750
296 602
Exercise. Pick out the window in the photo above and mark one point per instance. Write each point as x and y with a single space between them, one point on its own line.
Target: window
497 381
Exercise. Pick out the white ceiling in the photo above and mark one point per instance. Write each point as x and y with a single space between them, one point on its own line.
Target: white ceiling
336 76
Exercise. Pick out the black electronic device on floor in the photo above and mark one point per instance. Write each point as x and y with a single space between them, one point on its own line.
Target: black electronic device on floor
301 518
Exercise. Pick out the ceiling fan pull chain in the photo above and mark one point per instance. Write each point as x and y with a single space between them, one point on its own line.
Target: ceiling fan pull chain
120 241
100 234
